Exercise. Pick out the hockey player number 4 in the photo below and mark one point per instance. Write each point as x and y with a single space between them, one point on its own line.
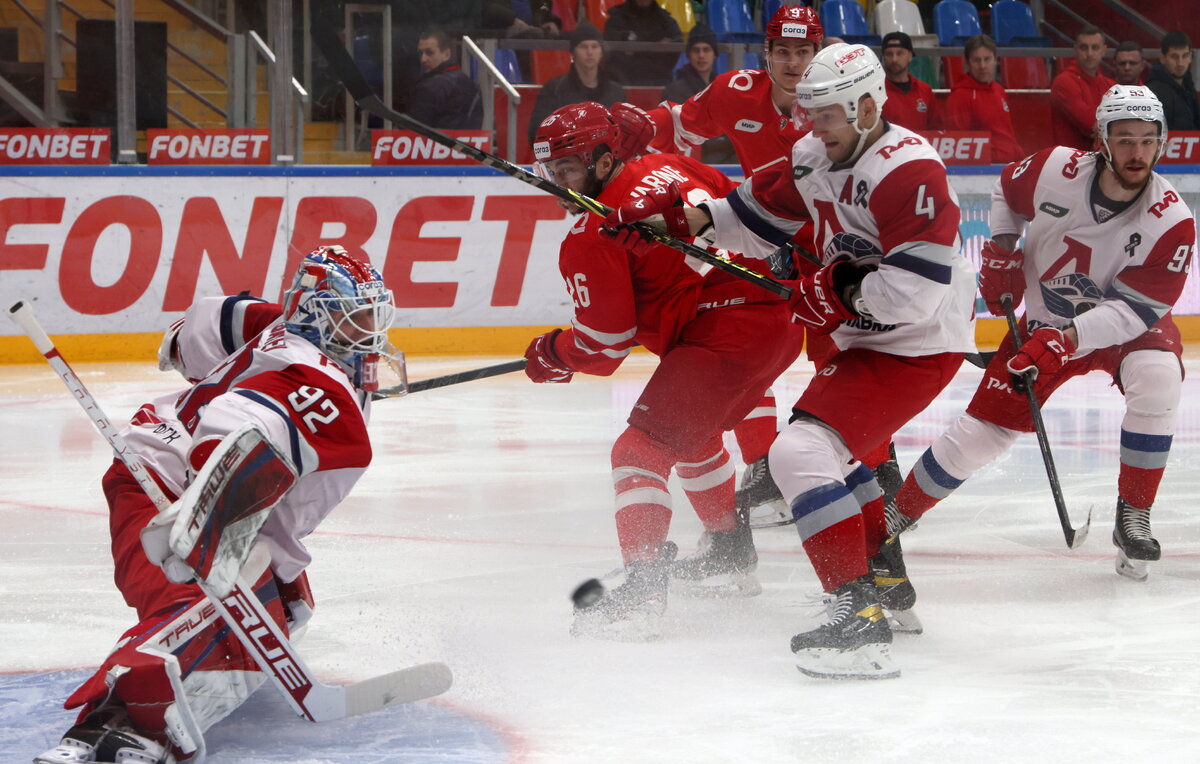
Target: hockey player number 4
924 204
305 398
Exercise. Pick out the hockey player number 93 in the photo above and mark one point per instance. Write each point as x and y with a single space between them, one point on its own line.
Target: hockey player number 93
306 397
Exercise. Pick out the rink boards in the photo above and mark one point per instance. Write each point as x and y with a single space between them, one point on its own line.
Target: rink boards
110 255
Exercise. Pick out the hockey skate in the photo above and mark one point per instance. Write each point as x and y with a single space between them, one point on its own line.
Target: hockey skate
1135 546
759 499
105 737
854 644
897 521
631 612
723 566
895 590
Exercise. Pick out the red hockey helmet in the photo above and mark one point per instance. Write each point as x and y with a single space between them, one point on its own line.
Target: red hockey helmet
576 130
637 130
796 22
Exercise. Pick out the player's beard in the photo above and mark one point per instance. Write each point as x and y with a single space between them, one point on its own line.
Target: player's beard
1126 183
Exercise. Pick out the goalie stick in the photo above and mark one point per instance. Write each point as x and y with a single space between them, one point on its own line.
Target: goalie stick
325 37
1073 536
450 379
241 610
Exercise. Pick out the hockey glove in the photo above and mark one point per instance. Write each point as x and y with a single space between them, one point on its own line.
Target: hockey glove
1001 274
1045 352
629 239
817 301
637 129
661 200
542 364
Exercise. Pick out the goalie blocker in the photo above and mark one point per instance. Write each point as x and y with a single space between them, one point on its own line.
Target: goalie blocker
209 532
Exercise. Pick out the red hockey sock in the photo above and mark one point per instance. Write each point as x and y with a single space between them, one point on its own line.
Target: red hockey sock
640 469
838 553
756 432
1138 487
874 525
709 485
911 500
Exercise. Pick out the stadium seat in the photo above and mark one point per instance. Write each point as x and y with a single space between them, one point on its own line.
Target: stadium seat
732 22
597 11
545 65
1013 24
898 16
953 70
565 10
523 10
955 21
506 62
847 20
1024 72
681 11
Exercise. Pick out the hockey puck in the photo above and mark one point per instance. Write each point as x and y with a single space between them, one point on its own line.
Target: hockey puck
587 594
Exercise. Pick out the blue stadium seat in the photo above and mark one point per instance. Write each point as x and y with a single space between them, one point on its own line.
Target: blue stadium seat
847 20
732 22
506 62
955 21
523 10
1013 24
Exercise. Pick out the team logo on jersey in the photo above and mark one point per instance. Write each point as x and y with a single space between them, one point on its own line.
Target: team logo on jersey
1053 209
851 246
1070 295
800 171
748 126
921 107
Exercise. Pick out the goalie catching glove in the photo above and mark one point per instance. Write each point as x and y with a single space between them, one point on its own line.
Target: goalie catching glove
1001 274
1045 352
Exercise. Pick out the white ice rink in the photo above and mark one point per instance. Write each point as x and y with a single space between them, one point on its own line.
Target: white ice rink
489 501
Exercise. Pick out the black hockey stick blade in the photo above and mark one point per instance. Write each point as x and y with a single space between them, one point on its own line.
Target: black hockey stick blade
1074 537
347 71
451 379
981 359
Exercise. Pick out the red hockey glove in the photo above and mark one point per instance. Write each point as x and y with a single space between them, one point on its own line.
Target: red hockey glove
542 364
816 300
662 200
630 239
1001 274
637 129
1045 352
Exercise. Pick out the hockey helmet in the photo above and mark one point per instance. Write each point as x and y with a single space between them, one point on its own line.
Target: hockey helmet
841 75
795 22
636 130
1130 102
340 304
576 130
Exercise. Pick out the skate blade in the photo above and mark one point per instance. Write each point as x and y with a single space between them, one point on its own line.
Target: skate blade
872 661
904 622
725 586
640 627
773 514
1134 570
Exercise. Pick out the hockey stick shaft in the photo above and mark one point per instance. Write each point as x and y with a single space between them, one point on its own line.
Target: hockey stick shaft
453 379
251 623
347 71
1073 537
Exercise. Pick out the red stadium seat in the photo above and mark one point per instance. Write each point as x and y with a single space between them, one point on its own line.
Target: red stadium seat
1024 72
545 65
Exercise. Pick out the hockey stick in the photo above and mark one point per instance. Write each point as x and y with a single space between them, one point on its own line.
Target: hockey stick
347 71
241 610
1074 537
450 379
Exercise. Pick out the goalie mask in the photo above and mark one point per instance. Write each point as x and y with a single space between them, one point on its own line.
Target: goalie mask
342 306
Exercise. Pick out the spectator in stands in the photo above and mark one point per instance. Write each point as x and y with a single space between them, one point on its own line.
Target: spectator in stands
977 101
1171 81
1128 61
700 68
642 21
586 80
909 101
1077 90
444 96
694 77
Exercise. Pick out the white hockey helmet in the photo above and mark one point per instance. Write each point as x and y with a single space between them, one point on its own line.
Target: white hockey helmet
841 75
1130 102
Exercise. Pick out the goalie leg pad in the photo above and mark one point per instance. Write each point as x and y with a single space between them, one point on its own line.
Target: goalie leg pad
225 506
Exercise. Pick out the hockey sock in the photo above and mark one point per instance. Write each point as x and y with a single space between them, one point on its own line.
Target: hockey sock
756 432
1143 459
830 524
866 491
709 485
641 466
926 485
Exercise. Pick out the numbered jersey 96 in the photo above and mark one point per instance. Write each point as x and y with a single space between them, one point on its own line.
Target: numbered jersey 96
301 398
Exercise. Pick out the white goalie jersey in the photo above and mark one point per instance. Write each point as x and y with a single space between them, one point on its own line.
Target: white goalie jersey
1113 276
301 398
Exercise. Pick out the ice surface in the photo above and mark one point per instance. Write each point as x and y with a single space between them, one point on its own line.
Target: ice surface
489 501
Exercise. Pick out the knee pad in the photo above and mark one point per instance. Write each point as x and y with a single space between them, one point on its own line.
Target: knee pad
806 454
1151 381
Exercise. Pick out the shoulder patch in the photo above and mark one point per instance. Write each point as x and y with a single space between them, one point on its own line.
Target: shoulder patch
1053 209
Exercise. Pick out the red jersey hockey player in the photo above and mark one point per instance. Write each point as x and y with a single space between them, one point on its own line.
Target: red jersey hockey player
896 296
707 328
302 379
1108 243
